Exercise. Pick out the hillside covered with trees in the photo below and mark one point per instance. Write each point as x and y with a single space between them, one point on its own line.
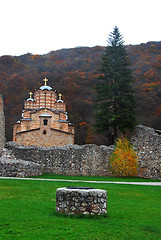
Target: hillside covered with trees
73 72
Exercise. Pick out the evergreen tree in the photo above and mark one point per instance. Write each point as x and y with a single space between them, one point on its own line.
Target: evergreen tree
115 101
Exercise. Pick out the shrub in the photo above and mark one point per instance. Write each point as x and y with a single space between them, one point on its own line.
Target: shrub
124 159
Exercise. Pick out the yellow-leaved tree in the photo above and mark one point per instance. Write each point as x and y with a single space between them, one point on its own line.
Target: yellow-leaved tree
123 161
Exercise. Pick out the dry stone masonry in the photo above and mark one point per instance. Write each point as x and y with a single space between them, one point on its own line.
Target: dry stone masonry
11 167
2 124
84 160
73 200
147 142
87 159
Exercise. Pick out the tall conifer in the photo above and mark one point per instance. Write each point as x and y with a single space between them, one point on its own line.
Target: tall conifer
115 101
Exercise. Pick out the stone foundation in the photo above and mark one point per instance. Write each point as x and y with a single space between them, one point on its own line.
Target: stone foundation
81 201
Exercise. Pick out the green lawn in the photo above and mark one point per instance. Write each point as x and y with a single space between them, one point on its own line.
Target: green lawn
96 178
27 211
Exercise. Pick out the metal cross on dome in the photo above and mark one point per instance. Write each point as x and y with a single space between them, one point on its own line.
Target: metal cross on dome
30 94
45 80
60 96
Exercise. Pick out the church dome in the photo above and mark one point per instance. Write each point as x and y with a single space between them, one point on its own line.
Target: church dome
45 87
30 99
60 100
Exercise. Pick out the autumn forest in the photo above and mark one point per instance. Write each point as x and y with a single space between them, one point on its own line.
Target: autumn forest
73 72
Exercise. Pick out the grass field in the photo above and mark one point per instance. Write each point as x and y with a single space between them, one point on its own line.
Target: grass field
97 178
27 211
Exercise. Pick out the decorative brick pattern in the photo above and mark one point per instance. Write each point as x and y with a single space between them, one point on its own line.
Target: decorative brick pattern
44 106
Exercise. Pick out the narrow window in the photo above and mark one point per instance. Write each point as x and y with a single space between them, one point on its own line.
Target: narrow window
28 127
44 132
45 122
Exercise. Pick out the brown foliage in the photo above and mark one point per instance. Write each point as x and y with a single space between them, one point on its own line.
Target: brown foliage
73 72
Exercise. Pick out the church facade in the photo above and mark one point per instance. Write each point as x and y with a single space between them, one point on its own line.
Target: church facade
44 120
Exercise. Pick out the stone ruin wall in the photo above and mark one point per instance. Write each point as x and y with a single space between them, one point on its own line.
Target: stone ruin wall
69 160
12 167
77 160
147 142
2 124
87 159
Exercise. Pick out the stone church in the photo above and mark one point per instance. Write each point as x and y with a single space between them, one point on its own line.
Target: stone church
44 120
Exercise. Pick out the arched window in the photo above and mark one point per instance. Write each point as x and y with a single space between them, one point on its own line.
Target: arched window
45 122
44 132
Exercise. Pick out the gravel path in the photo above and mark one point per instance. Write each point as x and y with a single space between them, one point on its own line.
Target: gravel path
85 181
